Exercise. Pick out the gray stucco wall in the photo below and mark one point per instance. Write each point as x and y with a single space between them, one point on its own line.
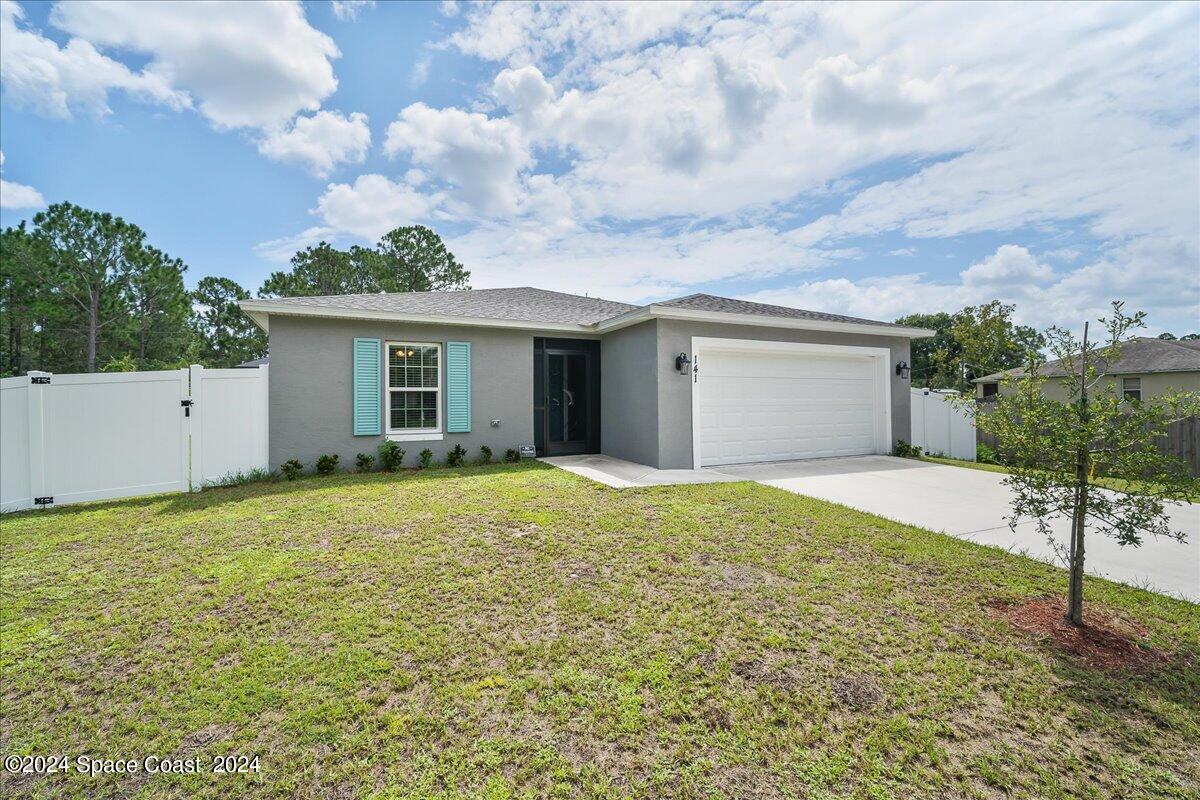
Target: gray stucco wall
310 388
629 394
675 390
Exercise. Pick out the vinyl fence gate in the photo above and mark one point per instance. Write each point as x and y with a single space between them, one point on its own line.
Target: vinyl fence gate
76 438
940 426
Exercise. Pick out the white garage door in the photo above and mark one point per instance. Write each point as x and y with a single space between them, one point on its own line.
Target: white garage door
780 406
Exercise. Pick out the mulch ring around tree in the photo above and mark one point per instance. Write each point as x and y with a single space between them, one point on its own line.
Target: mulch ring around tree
1106 640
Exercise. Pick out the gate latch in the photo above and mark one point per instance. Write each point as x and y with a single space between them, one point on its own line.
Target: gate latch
43 501
40 379
187 407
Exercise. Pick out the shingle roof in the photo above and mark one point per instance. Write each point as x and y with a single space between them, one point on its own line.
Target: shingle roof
1142 354
521 304
527 304
728 305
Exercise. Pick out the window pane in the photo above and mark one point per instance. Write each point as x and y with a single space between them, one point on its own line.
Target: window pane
414 410
413 366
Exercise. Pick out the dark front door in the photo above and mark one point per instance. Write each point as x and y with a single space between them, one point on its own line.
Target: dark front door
567 373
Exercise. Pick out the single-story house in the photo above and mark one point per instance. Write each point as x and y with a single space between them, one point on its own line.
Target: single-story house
1146 368
696 381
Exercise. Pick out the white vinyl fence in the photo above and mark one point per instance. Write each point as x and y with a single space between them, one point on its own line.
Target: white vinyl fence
940 427
74 438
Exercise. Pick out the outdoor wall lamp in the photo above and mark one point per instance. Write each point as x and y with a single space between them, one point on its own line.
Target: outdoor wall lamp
902 370
683 363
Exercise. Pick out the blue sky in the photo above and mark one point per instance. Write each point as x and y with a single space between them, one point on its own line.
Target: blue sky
865 159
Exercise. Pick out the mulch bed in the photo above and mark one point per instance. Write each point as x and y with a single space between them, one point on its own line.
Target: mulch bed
1105 640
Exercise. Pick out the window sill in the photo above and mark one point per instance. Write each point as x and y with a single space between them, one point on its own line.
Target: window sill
433 436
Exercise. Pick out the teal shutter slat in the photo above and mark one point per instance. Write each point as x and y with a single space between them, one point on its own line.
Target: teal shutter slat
458 387
367 417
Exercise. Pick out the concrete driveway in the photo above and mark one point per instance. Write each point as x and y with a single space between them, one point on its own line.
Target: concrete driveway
973 504
968 503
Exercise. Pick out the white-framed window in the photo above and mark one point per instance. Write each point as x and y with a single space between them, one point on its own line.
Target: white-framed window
1132 388
414 389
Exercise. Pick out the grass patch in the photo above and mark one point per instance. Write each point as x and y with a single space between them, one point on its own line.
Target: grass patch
1116 484
518 631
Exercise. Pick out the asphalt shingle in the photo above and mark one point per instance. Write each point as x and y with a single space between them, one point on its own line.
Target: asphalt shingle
728 305
521 304
527 304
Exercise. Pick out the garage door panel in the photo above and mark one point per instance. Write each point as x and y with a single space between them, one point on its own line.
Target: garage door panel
757 406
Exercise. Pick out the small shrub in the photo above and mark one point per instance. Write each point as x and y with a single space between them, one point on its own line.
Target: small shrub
485 454
291 469
512 455
905 450
364 462
985 454
390 456
456 455
241 478
326 464
425 458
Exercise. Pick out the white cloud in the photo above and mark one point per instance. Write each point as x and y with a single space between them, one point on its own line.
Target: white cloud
420 72
1145 275
57 81
241 64
479 156
1010 264
371 206
524 91
281 250
348 9
733 121
18 195
449 8
321 141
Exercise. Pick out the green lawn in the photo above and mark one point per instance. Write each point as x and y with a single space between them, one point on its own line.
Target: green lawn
1116 484
517 631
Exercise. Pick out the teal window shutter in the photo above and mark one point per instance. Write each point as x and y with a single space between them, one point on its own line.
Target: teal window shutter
367 416
458 387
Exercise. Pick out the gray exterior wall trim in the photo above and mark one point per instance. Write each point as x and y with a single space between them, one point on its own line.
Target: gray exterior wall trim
629 393
675 390
310 388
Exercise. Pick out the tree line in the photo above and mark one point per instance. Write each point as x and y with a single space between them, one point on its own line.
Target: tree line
974 342
85 291
82 291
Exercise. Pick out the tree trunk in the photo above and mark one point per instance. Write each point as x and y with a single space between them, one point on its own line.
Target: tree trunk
1079 517
93 327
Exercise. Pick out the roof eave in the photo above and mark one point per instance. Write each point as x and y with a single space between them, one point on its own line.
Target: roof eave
655 311
260 312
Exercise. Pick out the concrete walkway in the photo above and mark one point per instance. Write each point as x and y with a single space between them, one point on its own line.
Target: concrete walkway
966 503
621 474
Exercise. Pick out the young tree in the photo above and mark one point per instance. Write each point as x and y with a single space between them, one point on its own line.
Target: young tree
228 336
88 263
1056 448
415 259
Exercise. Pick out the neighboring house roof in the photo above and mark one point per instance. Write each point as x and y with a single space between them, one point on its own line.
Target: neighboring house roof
1140 355
527 307
254 363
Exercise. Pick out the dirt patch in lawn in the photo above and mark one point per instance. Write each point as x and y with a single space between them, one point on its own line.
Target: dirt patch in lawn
1105 640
